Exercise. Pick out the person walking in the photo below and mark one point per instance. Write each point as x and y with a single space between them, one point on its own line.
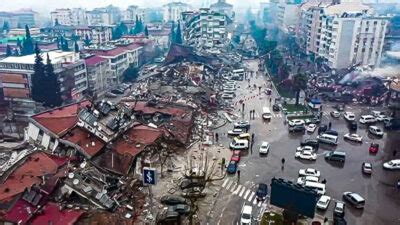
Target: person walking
238 174
329 125
216 137
394 153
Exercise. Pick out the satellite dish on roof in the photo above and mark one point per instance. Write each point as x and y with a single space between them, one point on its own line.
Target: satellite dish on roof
75 181
71 175
83 165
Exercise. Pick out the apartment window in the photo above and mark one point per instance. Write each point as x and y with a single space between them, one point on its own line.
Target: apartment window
375 22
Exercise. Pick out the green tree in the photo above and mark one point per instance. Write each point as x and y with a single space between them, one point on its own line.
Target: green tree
28 47
299 82
6 27
178 34
139 27
37 77
117 33
8 51
64 45
146 32
87 41
130 74
76 47
53 93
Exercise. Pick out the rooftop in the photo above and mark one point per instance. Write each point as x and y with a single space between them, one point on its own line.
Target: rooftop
61 119
89 143
55 57
94 60
346 7
53 215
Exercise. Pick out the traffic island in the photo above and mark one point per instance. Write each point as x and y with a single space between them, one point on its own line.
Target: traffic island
272 218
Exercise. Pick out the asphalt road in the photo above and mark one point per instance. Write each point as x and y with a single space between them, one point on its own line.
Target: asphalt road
382 198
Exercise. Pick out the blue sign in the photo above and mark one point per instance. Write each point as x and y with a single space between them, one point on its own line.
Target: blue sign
149 176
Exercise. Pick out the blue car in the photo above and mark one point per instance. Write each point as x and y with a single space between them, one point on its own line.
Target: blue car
262 192
232 167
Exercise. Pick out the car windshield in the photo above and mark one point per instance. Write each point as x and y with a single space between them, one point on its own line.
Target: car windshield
246 216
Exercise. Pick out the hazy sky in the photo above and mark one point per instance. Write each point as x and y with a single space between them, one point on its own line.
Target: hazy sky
48 5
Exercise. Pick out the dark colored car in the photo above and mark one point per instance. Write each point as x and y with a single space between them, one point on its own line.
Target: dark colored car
331 132
339 221
168 217
172 200
182 209
275 107
310 142
297 128
262 192
339 107
373 148
353 125
117 91
190 183
232 167
393 124
322 128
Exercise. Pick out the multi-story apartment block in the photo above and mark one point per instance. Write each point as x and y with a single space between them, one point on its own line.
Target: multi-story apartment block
130 13
62 16
18 19
99 75
173 11
98 34
222 7
16 72
78 16
286 16
205 28
104 16
345 34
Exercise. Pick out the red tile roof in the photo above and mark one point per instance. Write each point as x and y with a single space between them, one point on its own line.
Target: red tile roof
137 139
94 60
132 46
90 144
21 212
29 173
53 215
115 162
62 119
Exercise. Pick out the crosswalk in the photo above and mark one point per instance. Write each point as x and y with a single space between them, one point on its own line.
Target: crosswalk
242 192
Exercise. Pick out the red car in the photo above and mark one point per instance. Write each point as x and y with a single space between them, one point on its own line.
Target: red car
374 148
235 156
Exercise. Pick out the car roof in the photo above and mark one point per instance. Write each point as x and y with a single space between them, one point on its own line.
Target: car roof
324 197
395 161
338 203
247 209
265 143
357 196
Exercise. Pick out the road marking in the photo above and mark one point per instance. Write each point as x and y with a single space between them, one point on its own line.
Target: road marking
247 193
255 201
225 182
233 188
259 204
237 189
229 184
251 196
241 193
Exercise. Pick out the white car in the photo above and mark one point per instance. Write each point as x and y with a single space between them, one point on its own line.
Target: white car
382 118
304 148
309 155
235 131
246 215
311 127
353 137
264 148
296 122
242 124
335 114
349 116
309 172
302 180
375 130
392 164
323 202
364 119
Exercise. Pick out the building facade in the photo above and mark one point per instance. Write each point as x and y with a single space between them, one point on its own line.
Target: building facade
344 35
173 11
78 17
98 34
62 16
206 29
222 7
104 16
99 75
18 19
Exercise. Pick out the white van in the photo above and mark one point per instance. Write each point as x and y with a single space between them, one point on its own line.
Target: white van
239 144
328 139
318 187
367 119
266 113
303 180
